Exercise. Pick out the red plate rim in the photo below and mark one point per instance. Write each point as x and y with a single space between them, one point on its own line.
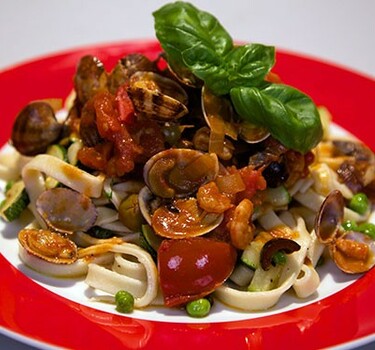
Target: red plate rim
35 313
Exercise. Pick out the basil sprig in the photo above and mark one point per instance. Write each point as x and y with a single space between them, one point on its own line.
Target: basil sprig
195 40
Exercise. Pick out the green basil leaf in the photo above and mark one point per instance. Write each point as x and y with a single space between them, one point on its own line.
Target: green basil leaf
180 26
290 115
245 65
249 64
209 67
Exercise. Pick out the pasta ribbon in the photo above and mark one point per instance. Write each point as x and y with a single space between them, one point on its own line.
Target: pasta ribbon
143 289
308 283
255 301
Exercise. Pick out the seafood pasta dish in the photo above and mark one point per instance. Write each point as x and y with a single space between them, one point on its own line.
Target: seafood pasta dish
196 177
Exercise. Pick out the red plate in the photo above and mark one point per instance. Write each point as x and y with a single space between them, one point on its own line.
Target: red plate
32 312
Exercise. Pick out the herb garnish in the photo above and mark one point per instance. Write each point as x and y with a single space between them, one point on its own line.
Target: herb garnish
195 40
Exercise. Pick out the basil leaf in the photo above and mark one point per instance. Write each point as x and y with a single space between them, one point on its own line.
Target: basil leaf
249 64
209 67
245 65
290 115
180 26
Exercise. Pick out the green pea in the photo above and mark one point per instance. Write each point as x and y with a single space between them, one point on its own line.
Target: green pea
367 228
279 258
198 308
349 225
359 203
124 301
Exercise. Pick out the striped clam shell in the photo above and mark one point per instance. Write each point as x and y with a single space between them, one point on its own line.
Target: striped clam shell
157 96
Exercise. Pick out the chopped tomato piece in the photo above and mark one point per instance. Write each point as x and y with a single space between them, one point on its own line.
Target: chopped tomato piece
110 128
124 105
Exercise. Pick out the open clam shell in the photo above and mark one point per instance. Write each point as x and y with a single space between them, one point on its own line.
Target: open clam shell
48 245
178 172
330 217
354 252
177 219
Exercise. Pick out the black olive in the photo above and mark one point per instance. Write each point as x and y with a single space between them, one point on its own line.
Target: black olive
273 246
275 174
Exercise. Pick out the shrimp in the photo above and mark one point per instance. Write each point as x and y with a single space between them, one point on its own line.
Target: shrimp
240 228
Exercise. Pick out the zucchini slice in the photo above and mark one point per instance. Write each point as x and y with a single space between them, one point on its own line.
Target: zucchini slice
16 200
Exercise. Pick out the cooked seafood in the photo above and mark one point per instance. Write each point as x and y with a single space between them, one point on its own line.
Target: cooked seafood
194 175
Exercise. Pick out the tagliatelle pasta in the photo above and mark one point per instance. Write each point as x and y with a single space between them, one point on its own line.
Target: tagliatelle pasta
168 182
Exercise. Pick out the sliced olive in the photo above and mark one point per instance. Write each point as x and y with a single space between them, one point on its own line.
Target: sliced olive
274 246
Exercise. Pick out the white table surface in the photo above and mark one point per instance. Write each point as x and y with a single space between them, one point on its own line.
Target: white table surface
337 31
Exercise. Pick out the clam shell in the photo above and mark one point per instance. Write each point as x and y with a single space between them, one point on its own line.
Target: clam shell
178 172
35 128
157 96
48 245
66 211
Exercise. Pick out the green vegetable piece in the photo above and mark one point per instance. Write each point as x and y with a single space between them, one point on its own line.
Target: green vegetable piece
9 185
289 115
124 302
349 225
367 228
279 258
151 237
359 203
15 202
57 151
198 308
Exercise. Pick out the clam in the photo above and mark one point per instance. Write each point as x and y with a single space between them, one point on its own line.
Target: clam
65 210
220 116
352 252
90 77
126 67
358 171
179 172
179 218
184 75
35 128
48 245
87 127
158 97
183 218
330 217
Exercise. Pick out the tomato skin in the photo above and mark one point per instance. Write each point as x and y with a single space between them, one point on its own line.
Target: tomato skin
124 105
192 268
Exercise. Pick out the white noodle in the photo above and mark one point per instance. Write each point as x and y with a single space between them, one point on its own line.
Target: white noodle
144 291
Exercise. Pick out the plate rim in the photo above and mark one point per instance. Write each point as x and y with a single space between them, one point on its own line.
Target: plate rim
104 46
